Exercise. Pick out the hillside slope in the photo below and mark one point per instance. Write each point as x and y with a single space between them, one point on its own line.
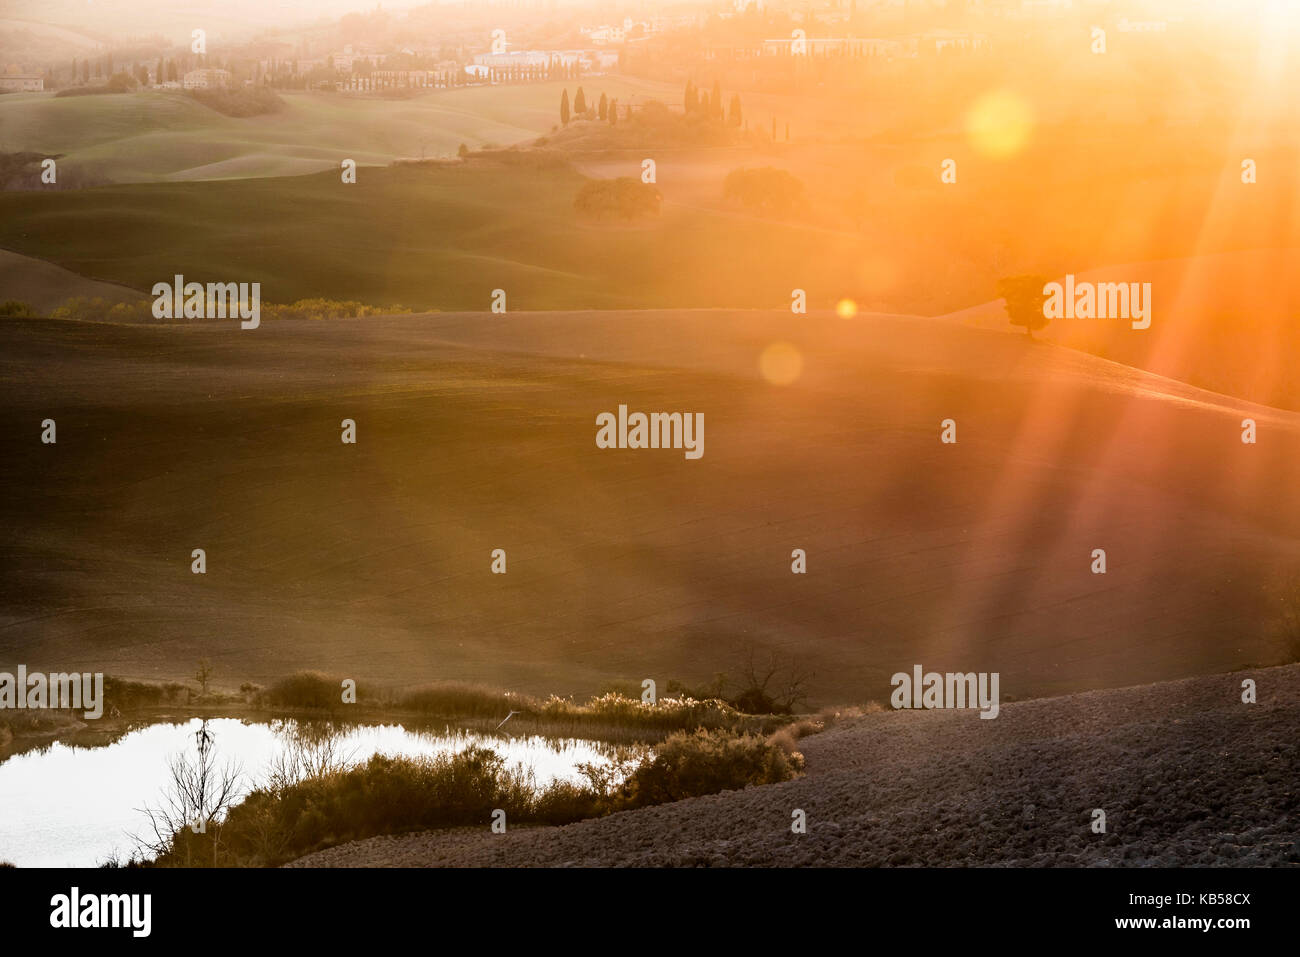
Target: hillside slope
477 432
1223 321
154 136
45 286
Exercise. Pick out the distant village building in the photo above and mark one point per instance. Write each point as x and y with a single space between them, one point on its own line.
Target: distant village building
342 62
608 34
855 46
348 60
928 42
207 80
604 35
25 82
937 41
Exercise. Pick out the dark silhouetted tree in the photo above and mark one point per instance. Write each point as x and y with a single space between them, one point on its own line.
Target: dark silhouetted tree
564 107
1024 301
625 198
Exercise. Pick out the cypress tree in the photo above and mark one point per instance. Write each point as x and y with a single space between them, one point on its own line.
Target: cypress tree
564 107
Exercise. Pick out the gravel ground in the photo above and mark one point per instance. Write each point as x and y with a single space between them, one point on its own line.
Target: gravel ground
1186 773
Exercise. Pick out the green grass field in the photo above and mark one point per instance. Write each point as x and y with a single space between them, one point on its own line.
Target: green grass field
164 135
433 238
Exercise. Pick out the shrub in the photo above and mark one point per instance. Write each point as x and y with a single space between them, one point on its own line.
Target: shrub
383 796
787 738
717 688
765 190
130 311
13 309
127 695
564 802
287 818
96 309
305 689
666 715
623 198
690 764
464 699
328 309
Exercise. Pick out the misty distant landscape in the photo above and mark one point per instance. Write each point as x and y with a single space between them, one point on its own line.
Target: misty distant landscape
309 319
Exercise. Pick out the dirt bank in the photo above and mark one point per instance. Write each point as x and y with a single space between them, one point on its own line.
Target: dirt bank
1186 773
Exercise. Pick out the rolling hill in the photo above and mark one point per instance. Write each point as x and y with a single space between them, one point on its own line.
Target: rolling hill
439 236
44 285
154 136
1224 321
476 432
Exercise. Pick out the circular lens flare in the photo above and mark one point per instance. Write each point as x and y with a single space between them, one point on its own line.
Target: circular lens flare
781 363
998 124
